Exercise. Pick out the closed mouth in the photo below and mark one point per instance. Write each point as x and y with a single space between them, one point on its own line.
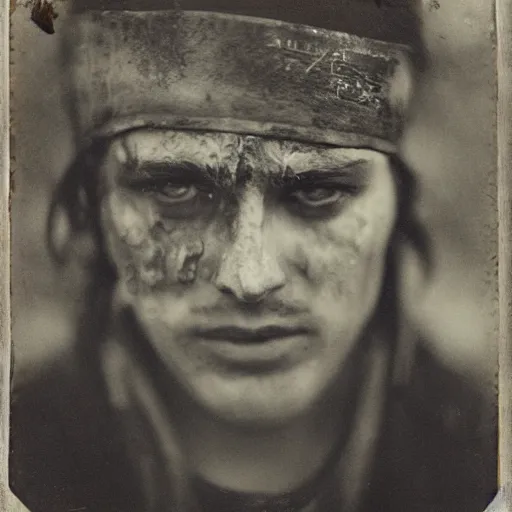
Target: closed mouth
240 335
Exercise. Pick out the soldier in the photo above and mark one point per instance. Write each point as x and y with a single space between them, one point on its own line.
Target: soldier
242 347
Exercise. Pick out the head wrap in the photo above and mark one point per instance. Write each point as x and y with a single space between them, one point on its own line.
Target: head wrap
334 72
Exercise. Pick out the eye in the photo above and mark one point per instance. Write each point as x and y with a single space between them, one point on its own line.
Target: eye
319 200
317 197
181 190
175 194
181 200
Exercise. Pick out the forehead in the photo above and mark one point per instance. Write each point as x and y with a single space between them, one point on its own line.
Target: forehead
216 149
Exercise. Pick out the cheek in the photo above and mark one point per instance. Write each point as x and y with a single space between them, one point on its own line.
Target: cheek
150 252
345 256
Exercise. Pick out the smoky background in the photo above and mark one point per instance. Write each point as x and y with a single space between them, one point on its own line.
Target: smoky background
450 144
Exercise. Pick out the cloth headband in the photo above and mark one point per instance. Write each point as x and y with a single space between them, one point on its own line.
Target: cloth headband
196 70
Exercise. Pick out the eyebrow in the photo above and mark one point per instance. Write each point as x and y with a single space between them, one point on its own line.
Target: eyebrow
324 174
148 170
140 172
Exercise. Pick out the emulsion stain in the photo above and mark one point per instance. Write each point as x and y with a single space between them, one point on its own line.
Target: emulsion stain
137 252
191 254
181 260
154 255
151 270
43 15
130 276
171 261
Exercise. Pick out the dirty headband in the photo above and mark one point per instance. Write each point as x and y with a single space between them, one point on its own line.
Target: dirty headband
220 72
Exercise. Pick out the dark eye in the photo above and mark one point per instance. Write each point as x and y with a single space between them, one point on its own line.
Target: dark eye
175 194
180 190
317 197
182 200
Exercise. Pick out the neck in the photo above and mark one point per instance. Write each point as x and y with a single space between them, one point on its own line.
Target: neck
278 459
275 459
272 459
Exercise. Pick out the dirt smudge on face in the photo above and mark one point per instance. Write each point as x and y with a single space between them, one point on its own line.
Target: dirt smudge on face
186 261
129 235
150 252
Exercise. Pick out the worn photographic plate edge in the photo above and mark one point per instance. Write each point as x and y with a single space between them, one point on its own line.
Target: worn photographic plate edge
503 9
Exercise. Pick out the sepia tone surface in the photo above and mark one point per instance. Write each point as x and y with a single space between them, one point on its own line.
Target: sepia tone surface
4 255
504 130
451 142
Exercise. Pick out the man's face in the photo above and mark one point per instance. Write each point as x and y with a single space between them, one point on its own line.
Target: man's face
252 264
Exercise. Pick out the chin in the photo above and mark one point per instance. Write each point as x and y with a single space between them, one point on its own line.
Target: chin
258 400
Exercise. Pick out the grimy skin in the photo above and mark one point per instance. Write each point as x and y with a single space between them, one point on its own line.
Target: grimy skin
256 243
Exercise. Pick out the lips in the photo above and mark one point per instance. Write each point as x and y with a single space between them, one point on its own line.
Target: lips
240 335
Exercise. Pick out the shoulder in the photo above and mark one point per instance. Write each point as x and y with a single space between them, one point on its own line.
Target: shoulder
63 442
439 449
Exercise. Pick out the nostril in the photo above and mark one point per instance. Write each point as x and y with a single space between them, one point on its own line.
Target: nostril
247 282
226 290
247 289
245 296
254 297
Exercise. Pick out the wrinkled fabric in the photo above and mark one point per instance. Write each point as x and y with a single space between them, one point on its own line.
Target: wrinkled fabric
213 71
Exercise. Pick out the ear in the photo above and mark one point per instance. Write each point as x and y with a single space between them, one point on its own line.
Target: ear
411 286
69 243
401 86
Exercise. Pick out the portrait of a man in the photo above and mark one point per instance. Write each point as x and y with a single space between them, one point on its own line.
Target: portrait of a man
242 208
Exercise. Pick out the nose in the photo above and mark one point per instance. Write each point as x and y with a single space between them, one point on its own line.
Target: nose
249 269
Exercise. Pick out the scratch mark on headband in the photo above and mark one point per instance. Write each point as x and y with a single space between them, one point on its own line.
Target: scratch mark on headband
317 61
